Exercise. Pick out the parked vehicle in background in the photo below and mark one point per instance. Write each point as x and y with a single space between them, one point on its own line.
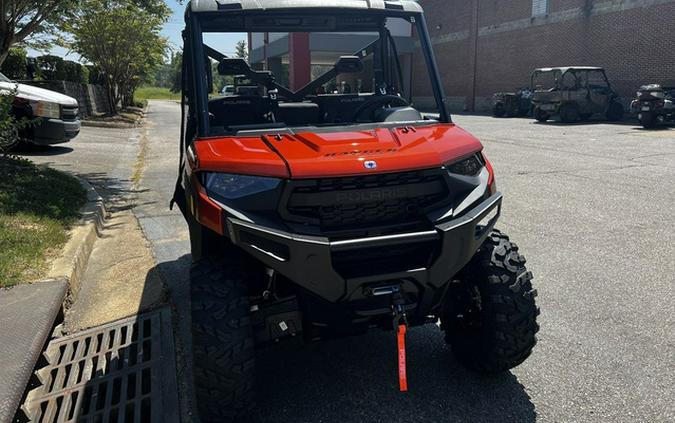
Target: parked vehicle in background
512 104
574 93
55 114
242 86
654 105
227 91
323 215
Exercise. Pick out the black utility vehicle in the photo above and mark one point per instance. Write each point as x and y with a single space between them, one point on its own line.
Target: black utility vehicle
654 105
512 104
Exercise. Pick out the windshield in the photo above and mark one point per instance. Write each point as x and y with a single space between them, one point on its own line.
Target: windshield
3 78
547 80
318 78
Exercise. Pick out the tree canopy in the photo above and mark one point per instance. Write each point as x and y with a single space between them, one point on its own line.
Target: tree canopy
35 23
122 38
30 21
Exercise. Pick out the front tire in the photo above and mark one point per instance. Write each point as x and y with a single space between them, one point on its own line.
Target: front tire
615 112
222 341
540 115
569 113
499 110
490 316
648 120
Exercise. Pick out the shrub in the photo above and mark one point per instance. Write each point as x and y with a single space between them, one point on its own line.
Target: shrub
95 75
55 68
10 126
9 133
48 67
73 71
14 66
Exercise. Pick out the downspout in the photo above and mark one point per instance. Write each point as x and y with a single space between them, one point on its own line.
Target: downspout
266 41
474 23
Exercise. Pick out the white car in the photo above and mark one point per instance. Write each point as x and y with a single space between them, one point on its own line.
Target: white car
227 91
57 113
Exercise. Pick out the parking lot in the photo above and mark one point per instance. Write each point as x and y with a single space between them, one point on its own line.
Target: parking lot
591 207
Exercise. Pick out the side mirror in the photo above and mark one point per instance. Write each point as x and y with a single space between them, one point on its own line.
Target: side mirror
349 64
234 66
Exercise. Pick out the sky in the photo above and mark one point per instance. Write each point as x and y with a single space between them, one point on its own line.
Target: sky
225 43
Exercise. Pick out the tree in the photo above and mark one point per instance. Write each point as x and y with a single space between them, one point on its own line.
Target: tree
122 38
28 21
241 49
168 75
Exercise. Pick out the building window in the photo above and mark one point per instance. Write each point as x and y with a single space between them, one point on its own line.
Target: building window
539 8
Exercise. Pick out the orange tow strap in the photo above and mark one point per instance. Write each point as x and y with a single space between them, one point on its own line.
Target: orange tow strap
402 376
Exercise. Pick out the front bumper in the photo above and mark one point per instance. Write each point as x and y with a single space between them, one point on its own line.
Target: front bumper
307 260
54 131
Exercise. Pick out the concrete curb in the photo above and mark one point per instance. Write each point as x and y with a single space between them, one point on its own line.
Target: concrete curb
75 254
45 299
113 125
27 316
118 125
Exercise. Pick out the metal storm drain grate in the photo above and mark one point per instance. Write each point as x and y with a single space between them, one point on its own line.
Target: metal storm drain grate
120 372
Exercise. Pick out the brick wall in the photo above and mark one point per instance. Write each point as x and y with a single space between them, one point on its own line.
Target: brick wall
632 39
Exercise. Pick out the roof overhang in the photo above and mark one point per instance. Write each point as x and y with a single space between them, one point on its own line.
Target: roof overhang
564 69
263 5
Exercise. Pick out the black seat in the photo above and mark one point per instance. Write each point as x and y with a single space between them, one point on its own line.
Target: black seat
239 110
298 113
339 108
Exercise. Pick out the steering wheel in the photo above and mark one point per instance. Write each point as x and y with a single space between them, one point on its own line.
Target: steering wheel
378 101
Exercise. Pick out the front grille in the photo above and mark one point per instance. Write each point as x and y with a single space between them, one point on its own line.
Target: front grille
69 113
369 201
375 261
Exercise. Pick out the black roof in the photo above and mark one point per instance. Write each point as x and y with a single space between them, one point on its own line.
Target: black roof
563 69
261 5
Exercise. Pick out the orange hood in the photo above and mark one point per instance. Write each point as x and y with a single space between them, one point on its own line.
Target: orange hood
312 155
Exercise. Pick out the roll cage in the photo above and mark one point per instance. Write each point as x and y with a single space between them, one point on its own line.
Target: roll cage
387 72
560 74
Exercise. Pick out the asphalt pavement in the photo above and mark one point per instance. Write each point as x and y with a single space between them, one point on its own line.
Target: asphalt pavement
591 206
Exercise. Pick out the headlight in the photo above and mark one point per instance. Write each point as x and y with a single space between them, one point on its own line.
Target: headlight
232 187
467 167
46 109
658 94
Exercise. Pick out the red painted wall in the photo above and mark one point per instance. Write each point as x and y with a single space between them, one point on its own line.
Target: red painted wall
300 68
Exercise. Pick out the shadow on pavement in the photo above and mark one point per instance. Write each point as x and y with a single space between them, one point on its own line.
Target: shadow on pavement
31 150
175 275
117 193
654 129
627 122
355 379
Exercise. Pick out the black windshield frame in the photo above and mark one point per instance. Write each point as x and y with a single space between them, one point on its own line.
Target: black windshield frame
240 21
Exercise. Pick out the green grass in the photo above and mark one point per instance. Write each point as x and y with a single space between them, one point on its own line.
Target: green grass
154 93
37 204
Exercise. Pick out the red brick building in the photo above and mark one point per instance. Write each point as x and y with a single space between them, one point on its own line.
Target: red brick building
486 46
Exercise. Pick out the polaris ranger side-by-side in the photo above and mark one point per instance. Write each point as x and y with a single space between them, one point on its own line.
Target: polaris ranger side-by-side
574 93
314 213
